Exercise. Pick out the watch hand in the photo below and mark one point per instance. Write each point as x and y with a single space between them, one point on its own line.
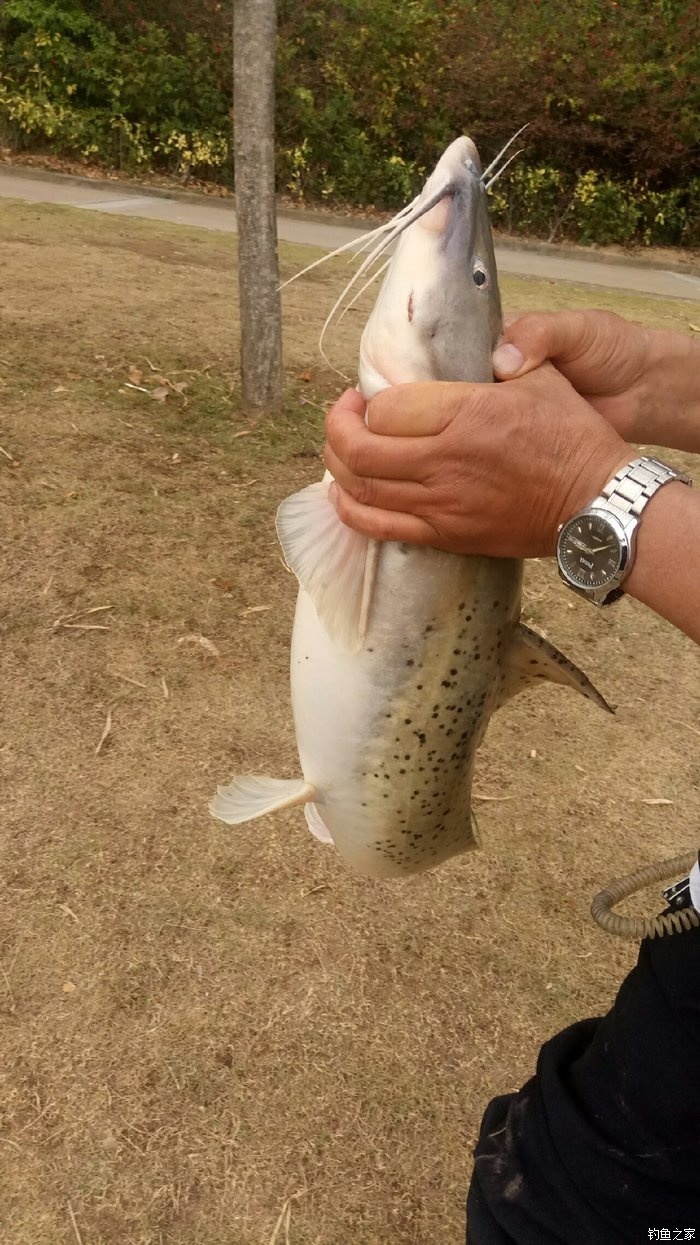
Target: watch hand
600 549
580 545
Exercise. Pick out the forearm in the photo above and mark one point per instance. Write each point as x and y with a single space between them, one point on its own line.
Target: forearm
668 401
666 572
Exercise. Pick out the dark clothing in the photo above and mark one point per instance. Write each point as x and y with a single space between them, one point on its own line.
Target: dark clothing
602 1145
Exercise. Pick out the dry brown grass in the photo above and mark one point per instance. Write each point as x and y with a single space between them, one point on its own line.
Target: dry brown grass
221 1037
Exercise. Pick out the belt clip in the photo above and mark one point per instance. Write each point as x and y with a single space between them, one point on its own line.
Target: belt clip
678 895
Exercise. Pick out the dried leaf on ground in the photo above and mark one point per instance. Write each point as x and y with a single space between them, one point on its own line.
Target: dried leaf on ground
202 641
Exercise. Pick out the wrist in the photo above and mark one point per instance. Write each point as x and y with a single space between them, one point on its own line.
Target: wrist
605 460
668 401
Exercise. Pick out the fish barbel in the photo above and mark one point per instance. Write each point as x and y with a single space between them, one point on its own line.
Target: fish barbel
400 654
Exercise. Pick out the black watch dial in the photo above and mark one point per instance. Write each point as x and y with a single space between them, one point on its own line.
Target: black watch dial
589 551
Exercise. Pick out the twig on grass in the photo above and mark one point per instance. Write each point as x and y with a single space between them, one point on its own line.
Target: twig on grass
116 675
67 620
285 1218
74 1225
105 733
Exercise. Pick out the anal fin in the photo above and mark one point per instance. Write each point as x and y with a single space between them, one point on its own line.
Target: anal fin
253 796
316 824
532 659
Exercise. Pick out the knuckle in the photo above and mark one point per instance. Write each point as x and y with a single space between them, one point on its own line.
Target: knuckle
365 491
352 454
379 410
533 333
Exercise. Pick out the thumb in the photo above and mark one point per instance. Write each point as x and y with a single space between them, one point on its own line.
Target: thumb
563 336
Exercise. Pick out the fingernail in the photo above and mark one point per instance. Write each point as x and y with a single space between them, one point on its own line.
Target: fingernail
507 359
333 493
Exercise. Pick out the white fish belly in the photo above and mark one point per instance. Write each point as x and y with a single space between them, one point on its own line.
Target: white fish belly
388 735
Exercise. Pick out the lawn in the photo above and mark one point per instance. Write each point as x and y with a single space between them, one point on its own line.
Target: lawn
216 1036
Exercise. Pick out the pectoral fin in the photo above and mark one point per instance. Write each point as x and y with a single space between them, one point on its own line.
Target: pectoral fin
333 563
532 659
249 797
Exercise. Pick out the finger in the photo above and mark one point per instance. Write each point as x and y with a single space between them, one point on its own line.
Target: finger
350 402
386 494
381 524
365 453
420 409
562 336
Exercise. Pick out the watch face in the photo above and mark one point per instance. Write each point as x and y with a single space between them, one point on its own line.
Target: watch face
590 551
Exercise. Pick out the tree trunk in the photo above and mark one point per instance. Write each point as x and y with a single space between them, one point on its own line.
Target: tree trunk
254 36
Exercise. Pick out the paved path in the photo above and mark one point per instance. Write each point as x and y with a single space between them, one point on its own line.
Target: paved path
303 228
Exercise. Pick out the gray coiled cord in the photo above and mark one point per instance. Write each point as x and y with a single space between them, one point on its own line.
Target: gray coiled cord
638 926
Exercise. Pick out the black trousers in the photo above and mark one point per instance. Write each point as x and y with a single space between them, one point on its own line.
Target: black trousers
602 1145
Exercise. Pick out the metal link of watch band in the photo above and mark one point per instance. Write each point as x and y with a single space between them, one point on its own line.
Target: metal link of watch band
635 485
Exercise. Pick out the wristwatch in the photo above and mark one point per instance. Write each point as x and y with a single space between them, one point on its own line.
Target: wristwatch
595 548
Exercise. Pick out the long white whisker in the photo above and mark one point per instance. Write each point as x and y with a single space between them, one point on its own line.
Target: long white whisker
364 266
368 238
382 268
382 245
502 152
489 184
363 238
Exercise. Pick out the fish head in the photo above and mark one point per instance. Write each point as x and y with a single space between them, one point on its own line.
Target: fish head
438 313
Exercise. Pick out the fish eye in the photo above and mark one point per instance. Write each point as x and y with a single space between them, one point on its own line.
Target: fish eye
480 275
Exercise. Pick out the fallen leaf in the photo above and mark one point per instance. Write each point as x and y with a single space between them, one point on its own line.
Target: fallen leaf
694 327
160 394
60 389
226 585
135 375
73 376
202 641
176 458
305 375
533 753
68 987
179 386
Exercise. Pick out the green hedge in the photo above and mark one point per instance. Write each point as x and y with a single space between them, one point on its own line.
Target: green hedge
370 91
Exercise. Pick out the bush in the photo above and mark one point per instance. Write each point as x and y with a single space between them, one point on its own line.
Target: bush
369 93
70 83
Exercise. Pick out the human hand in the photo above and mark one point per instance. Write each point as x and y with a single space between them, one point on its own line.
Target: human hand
645 382
476 469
